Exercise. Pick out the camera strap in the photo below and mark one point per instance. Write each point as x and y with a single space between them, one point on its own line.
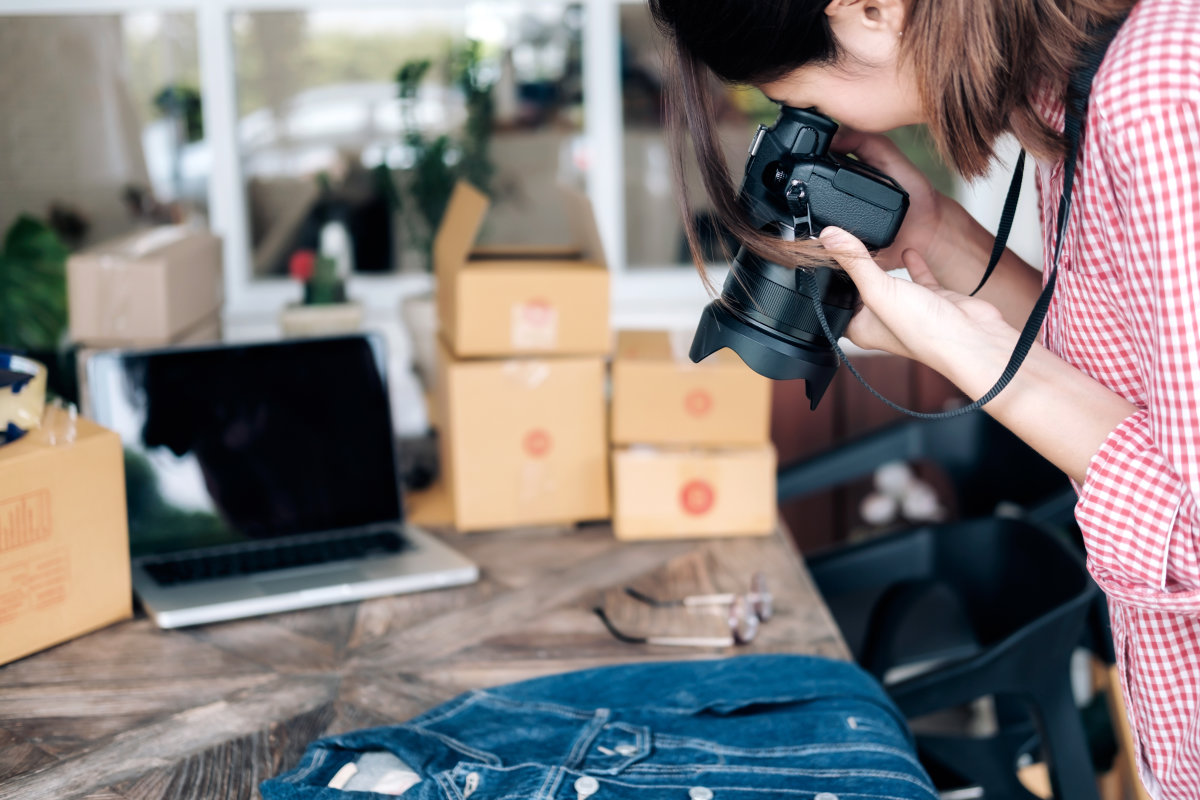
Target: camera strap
1078 89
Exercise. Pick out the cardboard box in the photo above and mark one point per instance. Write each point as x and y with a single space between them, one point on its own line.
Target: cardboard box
523 441
508 301
145 289
670 494
660 397
64 539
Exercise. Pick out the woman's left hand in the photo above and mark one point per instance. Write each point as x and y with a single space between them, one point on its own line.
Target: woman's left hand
917 319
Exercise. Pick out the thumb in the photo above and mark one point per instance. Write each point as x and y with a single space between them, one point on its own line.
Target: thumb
852 256
918 270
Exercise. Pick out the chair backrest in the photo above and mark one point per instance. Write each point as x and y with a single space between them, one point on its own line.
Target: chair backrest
986 463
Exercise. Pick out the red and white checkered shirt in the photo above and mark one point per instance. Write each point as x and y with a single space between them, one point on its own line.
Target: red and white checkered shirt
1127 312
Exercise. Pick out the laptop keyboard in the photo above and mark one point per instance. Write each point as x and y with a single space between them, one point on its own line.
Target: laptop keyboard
174 571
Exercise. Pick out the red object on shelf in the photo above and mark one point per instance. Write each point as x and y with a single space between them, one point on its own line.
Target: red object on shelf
302 265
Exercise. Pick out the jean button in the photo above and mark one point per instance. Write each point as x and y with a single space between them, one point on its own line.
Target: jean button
700 793
586 786
826 796
627 749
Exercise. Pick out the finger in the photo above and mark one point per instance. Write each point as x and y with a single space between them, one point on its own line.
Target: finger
853 257
918 270
868 332
875 149
847 140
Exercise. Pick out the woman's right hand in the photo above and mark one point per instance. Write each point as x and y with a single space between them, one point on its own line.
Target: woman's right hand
953 245
922 225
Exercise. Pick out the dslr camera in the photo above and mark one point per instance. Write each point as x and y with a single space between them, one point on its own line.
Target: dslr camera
792 188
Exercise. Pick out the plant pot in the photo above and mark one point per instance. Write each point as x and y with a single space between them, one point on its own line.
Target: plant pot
327 319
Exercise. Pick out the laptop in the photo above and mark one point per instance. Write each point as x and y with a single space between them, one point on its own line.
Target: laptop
262 478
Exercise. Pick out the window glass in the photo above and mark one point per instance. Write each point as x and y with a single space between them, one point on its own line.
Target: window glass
355 124
103 130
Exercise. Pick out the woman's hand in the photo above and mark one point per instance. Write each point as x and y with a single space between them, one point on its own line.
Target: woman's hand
954 246
919 319
1060 411
925 216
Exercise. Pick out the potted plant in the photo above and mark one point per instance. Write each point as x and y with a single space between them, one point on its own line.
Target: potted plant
33 297
438 163
325 309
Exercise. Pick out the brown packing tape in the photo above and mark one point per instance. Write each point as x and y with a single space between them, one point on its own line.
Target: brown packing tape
22 406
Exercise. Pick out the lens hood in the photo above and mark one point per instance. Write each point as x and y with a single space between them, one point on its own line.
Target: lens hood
764 351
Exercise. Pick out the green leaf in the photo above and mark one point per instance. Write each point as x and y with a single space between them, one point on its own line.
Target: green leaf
33 287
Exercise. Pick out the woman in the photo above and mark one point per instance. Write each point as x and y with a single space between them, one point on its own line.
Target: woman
1112 395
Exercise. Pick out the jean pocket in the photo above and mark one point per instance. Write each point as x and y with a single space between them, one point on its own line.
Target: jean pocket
815 733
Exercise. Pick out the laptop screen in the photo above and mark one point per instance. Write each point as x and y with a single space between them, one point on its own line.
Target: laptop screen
238 443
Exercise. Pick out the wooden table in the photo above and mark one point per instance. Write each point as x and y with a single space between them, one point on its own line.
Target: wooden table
134 712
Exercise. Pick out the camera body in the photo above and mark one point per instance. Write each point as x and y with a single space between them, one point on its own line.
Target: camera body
792 188
790 166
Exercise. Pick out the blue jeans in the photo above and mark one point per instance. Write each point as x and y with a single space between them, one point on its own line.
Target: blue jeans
741 728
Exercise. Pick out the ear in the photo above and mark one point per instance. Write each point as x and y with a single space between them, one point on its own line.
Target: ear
876 16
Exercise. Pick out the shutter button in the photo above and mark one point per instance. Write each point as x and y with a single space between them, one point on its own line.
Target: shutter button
586 786
702 793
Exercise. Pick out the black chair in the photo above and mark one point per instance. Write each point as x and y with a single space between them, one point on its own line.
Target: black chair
983 460
985 607
987 467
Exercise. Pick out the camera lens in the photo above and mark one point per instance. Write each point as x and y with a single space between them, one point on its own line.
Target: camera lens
764 317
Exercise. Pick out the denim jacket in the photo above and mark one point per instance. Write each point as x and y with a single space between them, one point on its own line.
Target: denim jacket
740 728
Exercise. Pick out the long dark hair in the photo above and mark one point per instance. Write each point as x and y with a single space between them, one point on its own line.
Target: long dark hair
979 64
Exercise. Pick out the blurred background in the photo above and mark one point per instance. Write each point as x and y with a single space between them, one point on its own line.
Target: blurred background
269 122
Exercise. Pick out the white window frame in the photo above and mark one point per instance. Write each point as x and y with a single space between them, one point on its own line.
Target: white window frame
669 296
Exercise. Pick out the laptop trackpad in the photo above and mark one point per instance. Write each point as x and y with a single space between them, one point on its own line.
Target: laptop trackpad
323 579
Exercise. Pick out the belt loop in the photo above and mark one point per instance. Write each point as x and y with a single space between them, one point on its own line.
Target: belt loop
586 737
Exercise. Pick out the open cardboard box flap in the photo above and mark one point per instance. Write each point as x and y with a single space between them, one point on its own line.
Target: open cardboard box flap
506 300
454 246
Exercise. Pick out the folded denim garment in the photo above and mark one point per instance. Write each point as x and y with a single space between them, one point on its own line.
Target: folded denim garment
740 728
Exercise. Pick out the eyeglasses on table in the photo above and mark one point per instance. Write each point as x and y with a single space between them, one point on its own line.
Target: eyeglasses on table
744 613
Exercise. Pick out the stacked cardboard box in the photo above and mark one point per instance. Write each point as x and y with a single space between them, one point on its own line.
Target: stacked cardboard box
691 442
155 288
64 541
520 392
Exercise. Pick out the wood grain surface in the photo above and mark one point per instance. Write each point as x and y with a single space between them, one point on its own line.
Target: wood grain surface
133 712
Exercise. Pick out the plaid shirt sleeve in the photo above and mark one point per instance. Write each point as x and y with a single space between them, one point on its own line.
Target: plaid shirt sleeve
1139 504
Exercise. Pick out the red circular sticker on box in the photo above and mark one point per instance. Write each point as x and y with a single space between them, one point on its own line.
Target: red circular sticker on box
697 497
698 402
537 443
538 311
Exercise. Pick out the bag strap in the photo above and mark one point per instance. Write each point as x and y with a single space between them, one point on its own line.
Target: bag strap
1078 90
